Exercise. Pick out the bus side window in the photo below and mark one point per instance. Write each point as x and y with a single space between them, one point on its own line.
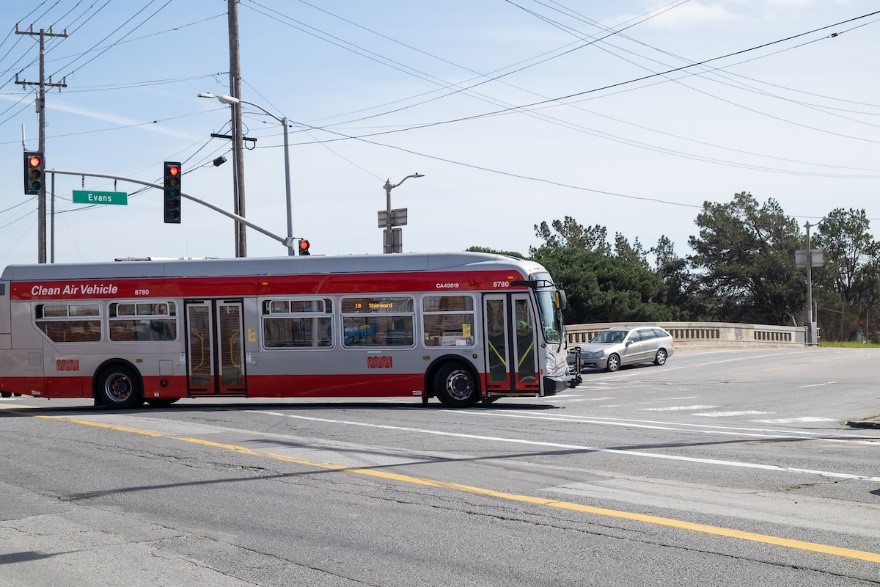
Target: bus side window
65 323
378 321
130 321
297 323
448 320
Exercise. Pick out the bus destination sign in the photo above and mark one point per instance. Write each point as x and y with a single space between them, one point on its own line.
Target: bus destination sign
91 197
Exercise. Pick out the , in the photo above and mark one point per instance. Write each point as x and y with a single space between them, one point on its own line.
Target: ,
461 327
626 345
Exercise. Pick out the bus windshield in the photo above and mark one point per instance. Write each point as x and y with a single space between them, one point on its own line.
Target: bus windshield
551 322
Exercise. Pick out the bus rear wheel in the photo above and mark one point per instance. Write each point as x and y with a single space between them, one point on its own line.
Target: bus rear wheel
456 386
119 387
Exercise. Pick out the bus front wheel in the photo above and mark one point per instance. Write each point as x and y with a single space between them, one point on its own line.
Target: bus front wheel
119 387
456 386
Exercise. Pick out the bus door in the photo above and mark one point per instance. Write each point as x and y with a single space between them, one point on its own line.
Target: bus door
215 347
510 344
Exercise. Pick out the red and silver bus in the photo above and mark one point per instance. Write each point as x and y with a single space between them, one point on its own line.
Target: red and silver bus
461 327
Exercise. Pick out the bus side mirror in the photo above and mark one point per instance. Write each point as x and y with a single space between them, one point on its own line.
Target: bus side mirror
561 299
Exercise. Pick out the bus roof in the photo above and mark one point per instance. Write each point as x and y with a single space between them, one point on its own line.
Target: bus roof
406 262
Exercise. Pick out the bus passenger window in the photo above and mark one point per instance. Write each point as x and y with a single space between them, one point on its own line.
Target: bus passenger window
379 321
68 323
448 320
297 323
142 321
